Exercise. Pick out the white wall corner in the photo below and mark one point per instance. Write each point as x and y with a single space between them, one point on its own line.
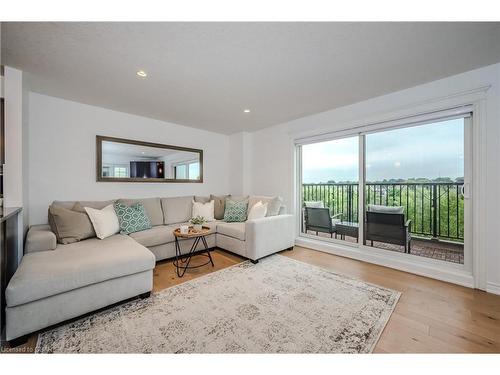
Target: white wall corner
240 163
247 163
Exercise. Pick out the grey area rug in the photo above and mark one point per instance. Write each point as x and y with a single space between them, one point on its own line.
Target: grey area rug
279 305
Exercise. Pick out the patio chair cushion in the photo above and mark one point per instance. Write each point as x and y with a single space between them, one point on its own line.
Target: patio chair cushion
386 209
314 204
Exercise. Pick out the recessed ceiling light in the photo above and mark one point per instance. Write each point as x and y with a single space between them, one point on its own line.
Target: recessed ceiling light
142 74
246 110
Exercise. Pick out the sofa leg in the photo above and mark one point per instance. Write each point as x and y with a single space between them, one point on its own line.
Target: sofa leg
254 261
18 341
290 248
145 295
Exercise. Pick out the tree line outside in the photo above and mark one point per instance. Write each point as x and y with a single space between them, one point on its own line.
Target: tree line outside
416 195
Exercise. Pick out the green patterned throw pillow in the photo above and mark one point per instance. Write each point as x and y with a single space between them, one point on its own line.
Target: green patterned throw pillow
132 218
235 211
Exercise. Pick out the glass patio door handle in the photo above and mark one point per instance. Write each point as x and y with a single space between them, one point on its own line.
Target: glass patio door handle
466 190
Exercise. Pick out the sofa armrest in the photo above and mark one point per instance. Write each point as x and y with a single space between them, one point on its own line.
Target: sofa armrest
269 235
40 238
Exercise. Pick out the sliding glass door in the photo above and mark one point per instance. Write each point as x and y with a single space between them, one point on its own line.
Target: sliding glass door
414 181
402 189
330 178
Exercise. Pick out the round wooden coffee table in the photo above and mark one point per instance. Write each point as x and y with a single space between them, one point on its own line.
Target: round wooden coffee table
182 261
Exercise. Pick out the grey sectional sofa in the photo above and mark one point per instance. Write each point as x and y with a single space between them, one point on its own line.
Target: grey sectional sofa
55 282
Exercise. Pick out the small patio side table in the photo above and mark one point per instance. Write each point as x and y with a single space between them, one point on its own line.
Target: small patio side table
347 228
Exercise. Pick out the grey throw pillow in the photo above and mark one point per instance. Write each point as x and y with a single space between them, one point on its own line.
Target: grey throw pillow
69 226
219 205
201 199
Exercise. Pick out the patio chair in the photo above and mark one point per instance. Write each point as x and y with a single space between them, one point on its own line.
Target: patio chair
319 220
387 224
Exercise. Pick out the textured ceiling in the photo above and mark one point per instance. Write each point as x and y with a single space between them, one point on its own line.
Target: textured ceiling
204 74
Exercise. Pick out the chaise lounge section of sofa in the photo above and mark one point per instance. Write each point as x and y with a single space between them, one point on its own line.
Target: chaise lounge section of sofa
56 282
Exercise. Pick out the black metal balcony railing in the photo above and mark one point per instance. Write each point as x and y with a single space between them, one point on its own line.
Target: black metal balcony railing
435 208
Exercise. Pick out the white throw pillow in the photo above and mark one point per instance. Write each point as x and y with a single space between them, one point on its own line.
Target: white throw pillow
205 210
258 211
105 221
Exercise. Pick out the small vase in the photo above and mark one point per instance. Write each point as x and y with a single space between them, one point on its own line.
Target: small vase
197 227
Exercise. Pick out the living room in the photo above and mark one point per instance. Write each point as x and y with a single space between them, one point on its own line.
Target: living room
250 187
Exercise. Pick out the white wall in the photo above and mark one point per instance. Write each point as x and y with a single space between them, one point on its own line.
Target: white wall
13 169
241 160
272 149
62 154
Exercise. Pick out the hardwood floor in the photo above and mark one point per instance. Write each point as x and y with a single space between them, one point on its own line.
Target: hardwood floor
164 275
430 317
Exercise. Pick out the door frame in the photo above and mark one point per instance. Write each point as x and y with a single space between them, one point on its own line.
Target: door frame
474 277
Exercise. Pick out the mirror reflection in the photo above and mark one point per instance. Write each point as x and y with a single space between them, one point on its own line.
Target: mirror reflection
141 161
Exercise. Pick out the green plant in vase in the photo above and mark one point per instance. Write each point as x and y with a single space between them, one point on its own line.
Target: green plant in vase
198 222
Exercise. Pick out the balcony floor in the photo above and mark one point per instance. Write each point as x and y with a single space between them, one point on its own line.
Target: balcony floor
449 252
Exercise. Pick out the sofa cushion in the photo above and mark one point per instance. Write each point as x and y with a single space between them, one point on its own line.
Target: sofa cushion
235 230
163 234
273 204
69 226
80 205
40 238
132 218
152 206
177 209
47 273
219 205
201 199
155 236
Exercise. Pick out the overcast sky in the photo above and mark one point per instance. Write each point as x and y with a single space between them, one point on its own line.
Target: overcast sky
430 151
